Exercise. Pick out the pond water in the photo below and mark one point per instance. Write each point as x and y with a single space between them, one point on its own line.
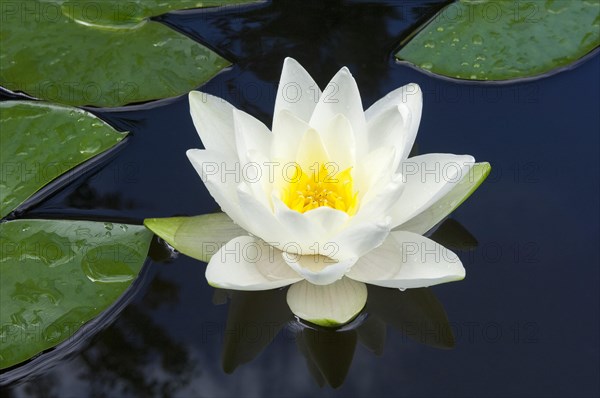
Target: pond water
525 319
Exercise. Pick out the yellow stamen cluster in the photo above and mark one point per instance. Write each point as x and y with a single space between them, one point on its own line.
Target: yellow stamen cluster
320 187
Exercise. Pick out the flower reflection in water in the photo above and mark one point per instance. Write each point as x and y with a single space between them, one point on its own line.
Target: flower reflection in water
255 319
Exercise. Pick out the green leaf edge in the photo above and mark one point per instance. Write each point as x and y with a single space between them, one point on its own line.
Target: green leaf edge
510 80
148 239
120 136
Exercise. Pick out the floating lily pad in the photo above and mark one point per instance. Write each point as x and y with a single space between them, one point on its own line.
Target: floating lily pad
93 61
42 141
504 39
57 275
111 13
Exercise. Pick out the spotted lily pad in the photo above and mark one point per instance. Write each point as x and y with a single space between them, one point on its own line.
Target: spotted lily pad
90 53
504 39
42 141
57 275
121 14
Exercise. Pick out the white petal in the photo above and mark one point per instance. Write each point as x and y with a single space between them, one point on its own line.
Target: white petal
261 221
342 96
445 205
373 172
339 142
259 176
391 128
210 166
408 260
304 231
312 232
428 178
405 104
213 119
288 131
311 152
380 205
329 305
331 220
250 135
245 263
356 240
318 269
297 91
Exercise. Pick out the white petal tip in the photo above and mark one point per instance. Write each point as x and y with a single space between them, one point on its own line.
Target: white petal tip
197 96
190 152
414 87
344 70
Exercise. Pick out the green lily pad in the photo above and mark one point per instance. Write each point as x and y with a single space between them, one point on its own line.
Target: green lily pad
49 55
504 39
435 213
57 275
42 141
200 236
119 13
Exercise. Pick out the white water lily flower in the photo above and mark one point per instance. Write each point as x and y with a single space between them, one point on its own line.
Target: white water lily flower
329 197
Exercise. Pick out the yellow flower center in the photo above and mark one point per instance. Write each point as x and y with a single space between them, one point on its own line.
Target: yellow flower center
321 186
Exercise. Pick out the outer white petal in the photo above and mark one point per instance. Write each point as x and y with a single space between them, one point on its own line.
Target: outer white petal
329 305
297 91
342 96
245 263
318 270
259 177
210 165
356 240
213 119
428 178
408 260
445 205
261 220
250 135
408 100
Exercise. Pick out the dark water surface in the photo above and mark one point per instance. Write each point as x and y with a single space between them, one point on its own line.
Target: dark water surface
525 320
